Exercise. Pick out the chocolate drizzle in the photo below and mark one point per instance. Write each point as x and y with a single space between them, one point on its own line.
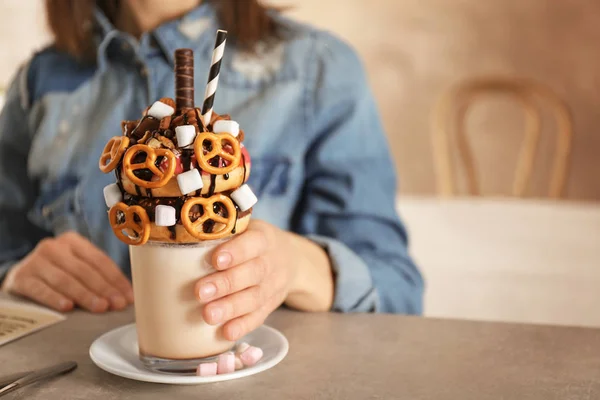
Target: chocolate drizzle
173 232
118 175
244 164
215 162
186 159
208 226
237 214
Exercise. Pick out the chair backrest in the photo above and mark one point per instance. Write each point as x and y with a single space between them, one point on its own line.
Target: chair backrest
452 110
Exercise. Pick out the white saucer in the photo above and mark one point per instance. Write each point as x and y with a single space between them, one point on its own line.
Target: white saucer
117 352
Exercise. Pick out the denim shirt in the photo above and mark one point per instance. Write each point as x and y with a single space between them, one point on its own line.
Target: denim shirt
320 161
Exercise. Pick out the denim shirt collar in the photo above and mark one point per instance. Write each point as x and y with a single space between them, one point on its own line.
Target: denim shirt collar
193 30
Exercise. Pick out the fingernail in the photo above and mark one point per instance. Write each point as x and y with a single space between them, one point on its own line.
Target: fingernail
216 315
118 301
207 291
64 304
96 303
223 260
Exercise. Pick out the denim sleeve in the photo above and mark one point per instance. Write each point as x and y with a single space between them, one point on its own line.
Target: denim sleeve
18 236
348 204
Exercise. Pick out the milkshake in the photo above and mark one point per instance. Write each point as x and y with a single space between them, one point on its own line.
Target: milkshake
180 192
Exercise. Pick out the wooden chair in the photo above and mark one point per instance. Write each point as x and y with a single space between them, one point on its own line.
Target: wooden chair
452 111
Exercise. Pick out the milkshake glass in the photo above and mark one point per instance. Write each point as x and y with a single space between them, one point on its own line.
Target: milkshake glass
172 334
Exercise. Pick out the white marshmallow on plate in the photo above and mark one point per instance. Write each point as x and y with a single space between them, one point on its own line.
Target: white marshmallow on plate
224 126
190 181
160 110
112 194
244 197
164 216
186 134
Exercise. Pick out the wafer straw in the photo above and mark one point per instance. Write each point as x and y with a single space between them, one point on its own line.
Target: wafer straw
184 79
213 76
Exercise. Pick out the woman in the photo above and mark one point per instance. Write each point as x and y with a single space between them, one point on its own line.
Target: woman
325 234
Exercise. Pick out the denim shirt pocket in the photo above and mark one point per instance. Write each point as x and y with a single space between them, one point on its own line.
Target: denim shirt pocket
270 176
59 208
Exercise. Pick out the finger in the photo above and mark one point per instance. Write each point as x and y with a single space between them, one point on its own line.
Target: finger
95 257
92 280
37 290
238 327
71 288
223 283
240 249
234 305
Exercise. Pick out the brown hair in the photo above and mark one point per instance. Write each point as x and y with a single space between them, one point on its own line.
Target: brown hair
70 22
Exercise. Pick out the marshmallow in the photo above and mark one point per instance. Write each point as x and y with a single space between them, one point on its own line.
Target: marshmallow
226 363
186 134
164 216
238 363
207 369
251 356
112 194
189 181
242 347
224 126
244 197
160 110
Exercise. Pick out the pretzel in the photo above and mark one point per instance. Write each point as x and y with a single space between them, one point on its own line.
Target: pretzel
112 153
136 233
149 163
216 141
208 214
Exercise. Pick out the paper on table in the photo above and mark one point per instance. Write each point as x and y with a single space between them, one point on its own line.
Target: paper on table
18 320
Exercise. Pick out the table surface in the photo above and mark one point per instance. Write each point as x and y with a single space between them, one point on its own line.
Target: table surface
333 356
502 259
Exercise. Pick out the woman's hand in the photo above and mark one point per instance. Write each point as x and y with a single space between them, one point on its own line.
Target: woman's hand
257 271
66 271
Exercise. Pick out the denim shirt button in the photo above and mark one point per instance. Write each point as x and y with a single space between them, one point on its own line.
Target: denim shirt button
46 211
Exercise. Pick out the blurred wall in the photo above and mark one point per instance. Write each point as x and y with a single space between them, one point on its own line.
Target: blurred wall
22 31
415 49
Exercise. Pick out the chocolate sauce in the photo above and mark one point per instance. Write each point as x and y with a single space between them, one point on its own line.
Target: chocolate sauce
186 159
200 120
215 162
237 213
208 226
213 185
173 231
144 174
119 183
244 164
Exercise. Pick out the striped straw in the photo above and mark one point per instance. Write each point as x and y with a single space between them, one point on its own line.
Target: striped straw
213 76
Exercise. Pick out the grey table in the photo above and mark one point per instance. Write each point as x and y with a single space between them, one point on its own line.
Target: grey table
336 356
